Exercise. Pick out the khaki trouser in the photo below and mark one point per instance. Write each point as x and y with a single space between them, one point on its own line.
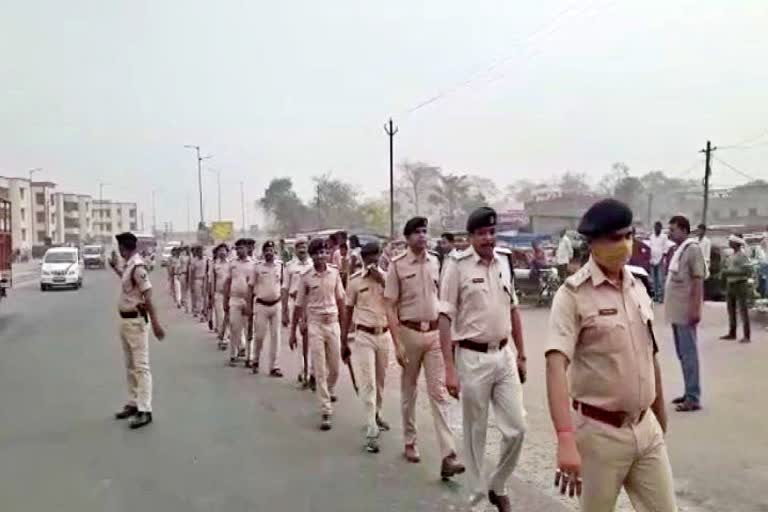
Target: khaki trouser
197 296
634 456
177 290
325 348
423 348
218 314
184 299
301 333
490 378
370 357
267 318
134 335
237 323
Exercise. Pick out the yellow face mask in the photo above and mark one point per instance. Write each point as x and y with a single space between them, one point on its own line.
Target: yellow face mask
614 255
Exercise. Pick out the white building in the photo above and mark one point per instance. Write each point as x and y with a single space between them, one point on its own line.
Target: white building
72 218
16 190
110 218
43 219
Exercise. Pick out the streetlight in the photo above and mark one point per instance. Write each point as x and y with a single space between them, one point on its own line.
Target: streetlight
218 185
242 205
102 184
154 216
199 177
32 207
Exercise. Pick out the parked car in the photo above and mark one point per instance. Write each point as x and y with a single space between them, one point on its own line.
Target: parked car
61 267
94 256
165 256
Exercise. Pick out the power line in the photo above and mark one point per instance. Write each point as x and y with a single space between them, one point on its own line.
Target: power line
748 142
695 164
734 169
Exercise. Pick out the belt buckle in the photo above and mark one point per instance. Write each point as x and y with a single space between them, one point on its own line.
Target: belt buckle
378 331
493 346
424 326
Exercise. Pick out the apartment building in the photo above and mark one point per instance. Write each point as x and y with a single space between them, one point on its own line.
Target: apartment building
17 191
111 217
72 218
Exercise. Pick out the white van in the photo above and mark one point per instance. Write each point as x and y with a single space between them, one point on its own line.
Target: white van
61 266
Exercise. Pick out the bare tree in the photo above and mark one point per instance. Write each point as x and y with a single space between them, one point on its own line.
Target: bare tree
417 177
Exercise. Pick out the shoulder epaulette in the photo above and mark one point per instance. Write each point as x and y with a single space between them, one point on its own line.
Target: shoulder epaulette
359 273
460 255
579 278
503 250
398 257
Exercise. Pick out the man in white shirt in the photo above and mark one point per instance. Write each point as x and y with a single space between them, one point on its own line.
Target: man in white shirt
564 254
659 244
705 244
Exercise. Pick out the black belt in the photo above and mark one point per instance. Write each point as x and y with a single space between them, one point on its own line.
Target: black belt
133 314
614 418
267 302
480 347
420 326
372 330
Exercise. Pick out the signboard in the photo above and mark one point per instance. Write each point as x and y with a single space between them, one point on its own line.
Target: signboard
222 230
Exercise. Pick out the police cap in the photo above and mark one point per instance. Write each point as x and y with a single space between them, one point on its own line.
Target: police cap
222 245
370 249
268 244
483 217
250 241
604 217
127 239
241 242
316 245
414 224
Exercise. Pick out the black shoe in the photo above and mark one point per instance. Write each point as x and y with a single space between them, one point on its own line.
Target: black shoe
326 423
679 400
142 419
241 352
372 445
276 373
232 362
745 340
255 367
248 364
334 398
312 383
728 337
127 412
383 425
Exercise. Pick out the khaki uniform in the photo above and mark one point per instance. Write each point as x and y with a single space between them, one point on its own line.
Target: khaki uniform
197 278
220 274
134 334
602 328
318 293
267 282
478 297
291 279
175 266
240 273
412 284
183 274
371 347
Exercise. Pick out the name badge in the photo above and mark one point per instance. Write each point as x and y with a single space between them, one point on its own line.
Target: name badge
478 280
608 312
363 290
313 287
410 276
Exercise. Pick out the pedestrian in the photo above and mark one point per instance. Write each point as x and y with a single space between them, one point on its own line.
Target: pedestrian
603 377
659 244
175 266
564 254
411 294
685 296
171 276
136 311
238 300
197 281
705 244
321 294
447 244
184 268
737 271
367 316
480 315
220 272
355 257
251 249
340 257
296 267
267 288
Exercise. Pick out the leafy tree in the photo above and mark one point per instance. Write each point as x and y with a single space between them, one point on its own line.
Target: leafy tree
375 215
449 193
280 201
574 183
619 171
335 203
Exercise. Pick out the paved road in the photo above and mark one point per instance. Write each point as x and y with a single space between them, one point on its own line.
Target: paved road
223 440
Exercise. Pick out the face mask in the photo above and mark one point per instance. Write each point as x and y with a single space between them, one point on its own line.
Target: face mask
613 256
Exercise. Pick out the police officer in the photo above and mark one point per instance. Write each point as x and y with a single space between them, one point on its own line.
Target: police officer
267 287
479 317
369 353
219 277
412 308
175 266
197 281
300 263
238 298
136 310
184 267
603 377
322 295
737 272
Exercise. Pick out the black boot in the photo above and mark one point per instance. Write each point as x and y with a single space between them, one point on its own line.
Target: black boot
127 412
142 419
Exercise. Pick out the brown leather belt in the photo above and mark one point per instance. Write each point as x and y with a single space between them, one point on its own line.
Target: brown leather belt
376 331
482 347
420 326
267 302
614 418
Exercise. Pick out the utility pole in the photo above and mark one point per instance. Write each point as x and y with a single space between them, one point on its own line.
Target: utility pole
154 216
32 210
189 225
242 204
390 130
650 207
707 172
101 210
218 185
199 177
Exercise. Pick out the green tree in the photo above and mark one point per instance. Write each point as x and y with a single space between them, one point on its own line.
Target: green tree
335 202
449 193
416 178
375 215
288 212
574 183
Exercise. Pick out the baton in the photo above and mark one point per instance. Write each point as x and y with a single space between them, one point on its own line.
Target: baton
352 375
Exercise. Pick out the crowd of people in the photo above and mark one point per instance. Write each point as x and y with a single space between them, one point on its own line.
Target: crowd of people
455 318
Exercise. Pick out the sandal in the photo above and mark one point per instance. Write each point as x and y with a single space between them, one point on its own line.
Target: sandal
679 400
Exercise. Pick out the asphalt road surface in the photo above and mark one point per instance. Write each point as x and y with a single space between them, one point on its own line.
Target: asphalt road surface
224 440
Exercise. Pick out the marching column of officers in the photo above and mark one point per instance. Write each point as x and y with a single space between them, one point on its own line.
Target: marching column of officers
456 318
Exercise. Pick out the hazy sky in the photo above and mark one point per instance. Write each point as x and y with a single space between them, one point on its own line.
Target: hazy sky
112 90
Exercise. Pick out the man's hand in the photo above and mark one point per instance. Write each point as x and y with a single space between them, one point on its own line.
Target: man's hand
346 352
286 320
694 317
402 359
568 474
522 369
158 331
452 382
292 340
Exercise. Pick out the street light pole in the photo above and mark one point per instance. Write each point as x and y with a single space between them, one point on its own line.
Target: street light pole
218 186
242 204
101 208
391 130
32 208
199 177
154 216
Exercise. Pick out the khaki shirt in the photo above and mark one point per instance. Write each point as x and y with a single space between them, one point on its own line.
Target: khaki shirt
478 297
220 273
602 329
175 266
412 284
240 274
677 293
293 272
319 291
198 268
367 297
135 282
267 280
184 262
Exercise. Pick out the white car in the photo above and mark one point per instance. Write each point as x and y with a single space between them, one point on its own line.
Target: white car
61 266
165 256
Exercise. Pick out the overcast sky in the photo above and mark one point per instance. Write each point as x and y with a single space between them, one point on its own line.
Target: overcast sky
112 90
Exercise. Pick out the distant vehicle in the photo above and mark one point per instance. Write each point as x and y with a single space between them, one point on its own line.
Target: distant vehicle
6 279
165 257
146 242
61 267
94 256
